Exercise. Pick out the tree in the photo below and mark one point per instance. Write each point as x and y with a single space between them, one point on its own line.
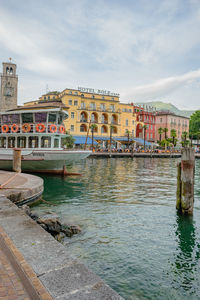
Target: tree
93 127
173 135
144 128
195 124
160 131
128 136
68 140
165 130
184 138
111 130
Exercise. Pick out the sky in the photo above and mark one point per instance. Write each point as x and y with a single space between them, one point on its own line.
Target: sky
144 50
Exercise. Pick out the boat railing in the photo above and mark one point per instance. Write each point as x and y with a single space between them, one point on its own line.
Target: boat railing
32 128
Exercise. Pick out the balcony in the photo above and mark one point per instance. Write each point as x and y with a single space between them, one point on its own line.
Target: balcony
83 120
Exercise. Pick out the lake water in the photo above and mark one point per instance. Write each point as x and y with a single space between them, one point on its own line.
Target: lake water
131 234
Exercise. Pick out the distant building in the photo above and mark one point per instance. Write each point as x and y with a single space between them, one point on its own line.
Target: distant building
171 121
103 108
9 82
145 116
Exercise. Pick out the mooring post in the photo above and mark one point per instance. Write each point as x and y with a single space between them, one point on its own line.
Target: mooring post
17 160
185 188
178 188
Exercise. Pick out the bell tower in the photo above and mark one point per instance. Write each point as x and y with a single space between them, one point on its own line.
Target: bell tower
9 82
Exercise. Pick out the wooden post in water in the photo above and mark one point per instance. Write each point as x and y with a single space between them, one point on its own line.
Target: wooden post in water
17 160
185 182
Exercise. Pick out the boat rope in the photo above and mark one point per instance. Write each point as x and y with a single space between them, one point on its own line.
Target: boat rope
9 180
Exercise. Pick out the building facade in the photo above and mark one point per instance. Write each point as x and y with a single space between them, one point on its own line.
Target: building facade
9 83
87 106
146 116
171 121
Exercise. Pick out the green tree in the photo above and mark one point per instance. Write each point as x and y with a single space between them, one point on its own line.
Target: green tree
111 130
93 127
195 125
165 130
144 128
160 131
128 136
184 138
68 140
173 135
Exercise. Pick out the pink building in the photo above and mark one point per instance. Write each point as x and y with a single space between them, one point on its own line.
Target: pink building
171 121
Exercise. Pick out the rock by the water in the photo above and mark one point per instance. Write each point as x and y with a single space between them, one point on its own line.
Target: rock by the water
51 223
75 229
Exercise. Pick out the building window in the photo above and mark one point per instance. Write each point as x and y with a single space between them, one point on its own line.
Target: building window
82 95
160 120
75 102
126 122
93 106
70 102
75 93
72 115
83 105
70 92
102 97
48 97
72 128
112 107
44 97
133 122
93 96
103 107
113 98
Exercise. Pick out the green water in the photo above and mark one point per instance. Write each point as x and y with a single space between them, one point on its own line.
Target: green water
132 236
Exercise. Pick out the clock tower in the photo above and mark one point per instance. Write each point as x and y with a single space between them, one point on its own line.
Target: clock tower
9 82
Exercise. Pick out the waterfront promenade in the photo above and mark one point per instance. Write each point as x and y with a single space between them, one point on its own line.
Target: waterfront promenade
139 154
33 265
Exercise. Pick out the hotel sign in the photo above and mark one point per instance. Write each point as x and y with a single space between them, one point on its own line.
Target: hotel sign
94 91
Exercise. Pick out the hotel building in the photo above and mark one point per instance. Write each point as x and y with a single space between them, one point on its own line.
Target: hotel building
171 121
102 108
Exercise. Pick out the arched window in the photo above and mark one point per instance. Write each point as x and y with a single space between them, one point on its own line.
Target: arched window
11 71
7 70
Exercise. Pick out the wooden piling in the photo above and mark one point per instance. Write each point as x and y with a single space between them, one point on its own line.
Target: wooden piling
185 182
178 188
17 160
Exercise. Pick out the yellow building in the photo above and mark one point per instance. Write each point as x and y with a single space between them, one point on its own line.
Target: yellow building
88 106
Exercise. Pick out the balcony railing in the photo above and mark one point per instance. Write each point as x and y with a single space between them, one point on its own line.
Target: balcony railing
31 128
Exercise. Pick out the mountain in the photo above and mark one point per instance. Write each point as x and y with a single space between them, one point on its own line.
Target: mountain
162 106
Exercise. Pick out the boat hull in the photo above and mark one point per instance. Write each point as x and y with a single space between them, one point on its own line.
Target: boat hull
43 161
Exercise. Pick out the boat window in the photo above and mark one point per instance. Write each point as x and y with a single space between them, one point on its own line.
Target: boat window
27 118
45 142
15 118
56 143
6 119
41 117
60 119
52 117
11 142
21 142
33 142
2 142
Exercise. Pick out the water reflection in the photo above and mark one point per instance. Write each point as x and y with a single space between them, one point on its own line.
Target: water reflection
187 254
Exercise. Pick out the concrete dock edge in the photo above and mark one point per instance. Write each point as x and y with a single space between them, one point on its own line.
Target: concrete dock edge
63 276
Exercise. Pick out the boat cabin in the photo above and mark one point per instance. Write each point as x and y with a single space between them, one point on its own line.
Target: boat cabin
41 128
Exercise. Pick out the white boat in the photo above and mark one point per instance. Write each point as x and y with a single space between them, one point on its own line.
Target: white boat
39 132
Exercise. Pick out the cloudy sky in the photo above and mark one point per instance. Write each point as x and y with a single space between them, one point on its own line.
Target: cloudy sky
145 50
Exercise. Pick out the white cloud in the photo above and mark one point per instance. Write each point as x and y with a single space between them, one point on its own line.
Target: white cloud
161 87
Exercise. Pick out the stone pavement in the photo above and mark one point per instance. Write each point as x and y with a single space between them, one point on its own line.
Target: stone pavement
20 187
17 279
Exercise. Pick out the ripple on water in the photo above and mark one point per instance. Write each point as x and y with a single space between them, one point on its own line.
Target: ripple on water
131 234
